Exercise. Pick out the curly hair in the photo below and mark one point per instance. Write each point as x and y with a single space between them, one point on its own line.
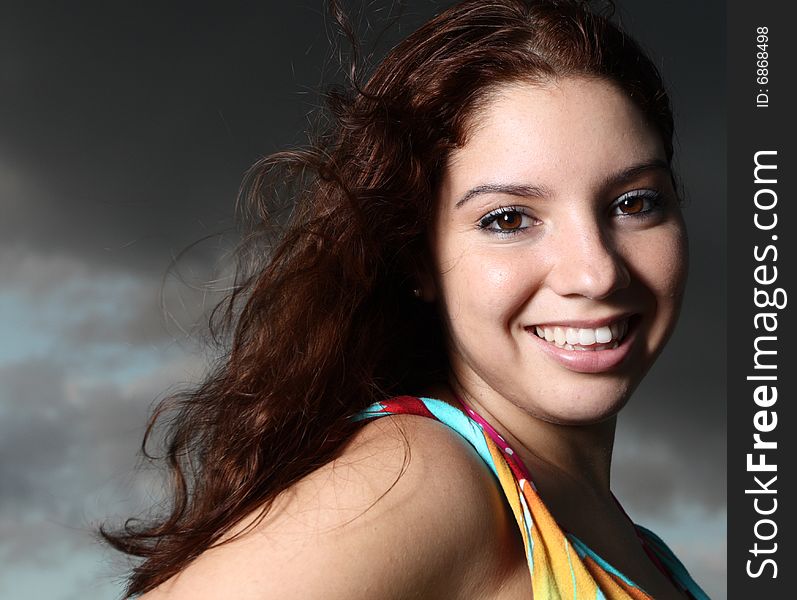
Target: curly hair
323 321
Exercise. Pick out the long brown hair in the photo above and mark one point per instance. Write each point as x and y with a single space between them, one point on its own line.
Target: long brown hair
323 321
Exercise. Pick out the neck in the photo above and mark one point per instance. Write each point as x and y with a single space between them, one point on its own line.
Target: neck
562 459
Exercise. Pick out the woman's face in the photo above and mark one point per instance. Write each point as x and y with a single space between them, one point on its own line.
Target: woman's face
559 250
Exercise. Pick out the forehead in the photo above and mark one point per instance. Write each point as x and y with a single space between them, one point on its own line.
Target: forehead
560 134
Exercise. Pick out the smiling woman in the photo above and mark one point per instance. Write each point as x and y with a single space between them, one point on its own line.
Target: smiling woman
485 256
575 231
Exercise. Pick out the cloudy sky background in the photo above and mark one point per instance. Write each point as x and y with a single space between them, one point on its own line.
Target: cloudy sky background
125 130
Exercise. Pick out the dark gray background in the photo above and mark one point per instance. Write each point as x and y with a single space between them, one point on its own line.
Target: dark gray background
124 133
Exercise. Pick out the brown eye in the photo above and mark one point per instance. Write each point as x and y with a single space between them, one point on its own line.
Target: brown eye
631 206
509 220
637 203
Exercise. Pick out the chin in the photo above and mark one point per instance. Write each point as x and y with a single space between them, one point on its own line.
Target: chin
580 420
587 411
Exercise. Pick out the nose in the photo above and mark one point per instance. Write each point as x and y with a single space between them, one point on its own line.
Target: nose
588 264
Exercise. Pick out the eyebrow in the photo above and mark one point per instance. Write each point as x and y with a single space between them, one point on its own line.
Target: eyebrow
513 189
634 171
537 191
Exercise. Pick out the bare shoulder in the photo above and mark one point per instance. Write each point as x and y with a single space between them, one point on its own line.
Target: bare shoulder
408 510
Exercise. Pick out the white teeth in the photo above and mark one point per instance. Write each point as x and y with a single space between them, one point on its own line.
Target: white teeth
586 337
575 338
603 335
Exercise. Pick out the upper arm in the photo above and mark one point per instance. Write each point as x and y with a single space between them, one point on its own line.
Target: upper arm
359 527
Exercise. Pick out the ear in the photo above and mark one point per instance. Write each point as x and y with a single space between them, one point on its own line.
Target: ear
426 284
417 263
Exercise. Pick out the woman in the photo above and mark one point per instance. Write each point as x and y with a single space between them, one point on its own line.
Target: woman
485 256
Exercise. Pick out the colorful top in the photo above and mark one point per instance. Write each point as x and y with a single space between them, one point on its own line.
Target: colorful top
561 566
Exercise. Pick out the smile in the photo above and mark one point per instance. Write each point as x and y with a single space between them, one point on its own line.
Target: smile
589 353
606 337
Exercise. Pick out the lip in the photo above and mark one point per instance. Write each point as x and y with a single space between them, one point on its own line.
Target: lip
598 361
585 323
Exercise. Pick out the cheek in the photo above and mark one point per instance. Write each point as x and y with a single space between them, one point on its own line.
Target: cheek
661 262
491 285
495 279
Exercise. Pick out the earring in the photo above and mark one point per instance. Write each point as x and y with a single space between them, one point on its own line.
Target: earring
416 292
